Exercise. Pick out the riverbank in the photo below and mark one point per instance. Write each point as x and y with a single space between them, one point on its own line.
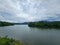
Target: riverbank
43 24
7 41
5 23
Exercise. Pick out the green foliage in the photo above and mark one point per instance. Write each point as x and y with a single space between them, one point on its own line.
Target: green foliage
42 24
5 23
6 41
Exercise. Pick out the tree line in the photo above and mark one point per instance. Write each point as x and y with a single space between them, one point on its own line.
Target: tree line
45 24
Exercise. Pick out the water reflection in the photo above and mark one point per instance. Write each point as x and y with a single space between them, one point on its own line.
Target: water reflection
32 36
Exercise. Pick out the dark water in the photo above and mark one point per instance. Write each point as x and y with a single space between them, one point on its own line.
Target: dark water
32 36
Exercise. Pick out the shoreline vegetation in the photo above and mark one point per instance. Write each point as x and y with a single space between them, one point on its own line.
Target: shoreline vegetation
9 41
5 23
45 24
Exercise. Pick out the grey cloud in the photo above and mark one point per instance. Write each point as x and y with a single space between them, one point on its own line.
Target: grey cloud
30 10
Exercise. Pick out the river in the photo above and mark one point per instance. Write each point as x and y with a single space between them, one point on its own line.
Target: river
32 36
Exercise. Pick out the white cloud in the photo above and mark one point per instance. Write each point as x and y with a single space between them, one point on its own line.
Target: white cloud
29 10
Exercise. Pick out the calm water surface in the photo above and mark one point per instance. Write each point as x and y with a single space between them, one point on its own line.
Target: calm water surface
32 36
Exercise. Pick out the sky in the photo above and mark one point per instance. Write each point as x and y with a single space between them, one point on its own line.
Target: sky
29 10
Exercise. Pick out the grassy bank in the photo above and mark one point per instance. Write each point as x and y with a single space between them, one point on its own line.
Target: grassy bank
5 23
42 24
7 41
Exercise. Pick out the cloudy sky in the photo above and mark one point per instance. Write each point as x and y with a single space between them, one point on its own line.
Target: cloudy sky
29 10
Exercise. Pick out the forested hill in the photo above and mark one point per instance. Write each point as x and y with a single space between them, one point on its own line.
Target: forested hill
45 24
5 23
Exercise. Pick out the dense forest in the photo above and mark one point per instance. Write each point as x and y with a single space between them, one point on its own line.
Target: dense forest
5 23
45 24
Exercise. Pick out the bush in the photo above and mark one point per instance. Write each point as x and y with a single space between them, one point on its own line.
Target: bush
7 41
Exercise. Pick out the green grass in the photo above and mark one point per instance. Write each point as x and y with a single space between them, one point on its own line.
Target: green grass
7 41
